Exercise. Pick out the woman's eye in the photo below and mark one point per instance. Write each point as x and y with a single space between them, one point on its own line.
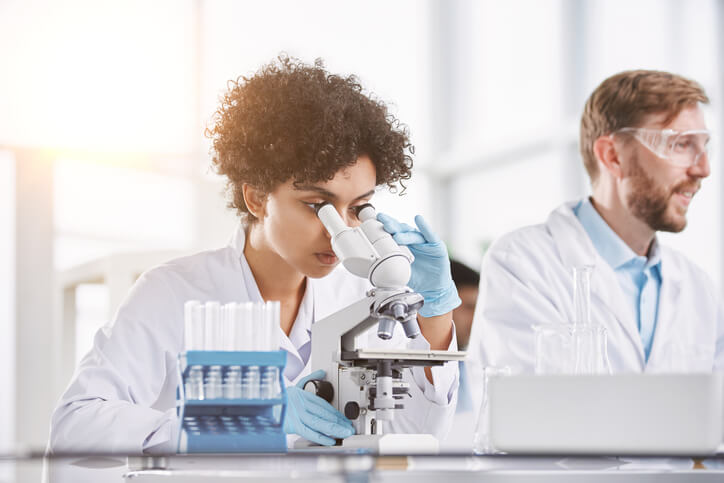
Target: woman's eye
313 206
356 209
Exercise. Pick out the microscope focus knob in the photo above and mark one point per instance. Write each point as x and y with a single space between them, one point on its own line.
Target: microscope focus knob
322 388
351 410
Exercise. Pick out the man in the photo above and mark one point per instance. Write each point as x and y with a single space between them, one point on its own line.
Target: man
644 144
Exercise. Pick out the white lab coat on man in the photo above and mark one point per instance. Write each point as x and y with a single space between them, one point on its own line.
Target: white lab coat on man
526 280
122 396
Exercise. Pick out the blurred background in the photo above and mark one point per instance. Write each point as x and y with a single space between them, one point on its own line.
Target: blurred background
104 170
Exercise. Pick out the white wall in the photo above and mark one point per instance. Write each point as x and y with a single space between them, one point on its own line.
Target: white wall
384 43
7 308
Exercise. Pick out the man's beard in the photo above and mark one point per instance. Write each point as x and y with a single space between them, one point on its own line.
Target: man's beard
649 202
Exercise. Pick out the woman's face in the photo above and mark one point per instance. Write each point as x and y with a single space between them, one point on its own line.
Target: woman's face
290 224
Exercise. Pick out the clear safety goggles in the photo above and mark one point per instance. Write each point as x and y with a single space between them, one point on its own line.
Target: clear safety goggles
683 149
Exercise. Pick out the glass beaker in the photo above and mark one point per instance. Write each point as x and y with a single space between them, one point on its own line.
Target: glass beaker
554 352
590 350
481 438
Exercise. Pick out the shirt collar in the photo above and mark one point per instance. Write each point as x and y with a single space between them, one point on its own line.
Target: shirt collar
608 244
302 328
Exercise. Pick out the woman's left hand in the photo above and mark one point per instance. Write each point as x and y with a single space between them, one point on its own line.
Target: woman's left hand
431 276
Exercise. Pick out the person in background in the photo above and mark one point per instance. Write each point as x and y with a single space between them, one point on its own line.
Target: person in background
644 142
466 280
460 437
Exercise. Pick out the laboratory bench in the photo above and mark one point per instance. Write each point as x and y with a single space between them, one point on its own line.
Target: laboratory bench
322 467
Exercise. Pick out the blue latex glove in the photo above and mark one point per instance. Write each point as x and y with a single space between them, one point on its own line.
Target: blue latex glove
431 276
313 418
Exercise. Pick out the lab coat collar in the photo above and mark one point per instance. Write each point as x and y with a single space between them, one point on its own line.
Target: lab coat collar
302 328
576 249
238 239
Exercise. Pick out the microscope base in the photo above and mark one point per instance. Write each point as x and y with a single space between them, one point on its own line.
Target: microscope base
394 444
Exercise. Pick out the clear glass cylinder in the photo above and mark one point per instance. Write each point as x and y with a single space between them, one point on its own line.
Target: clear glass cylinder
553 349
482 441
213 385
194 386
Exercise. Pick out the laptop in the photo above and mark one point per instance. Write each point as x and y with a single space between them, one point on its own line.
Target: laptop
627 414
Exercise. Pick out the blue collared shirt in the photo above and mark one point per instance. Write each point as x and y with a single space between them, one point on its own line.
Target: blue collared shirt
639 276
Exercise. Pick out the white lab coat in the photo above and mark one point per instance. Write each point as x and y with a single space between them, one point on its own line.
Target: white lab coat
527 280
122 396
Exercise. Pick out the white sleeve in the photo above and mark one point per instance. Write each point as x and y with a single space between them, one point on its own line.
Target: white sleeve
109 405
512 299
445 377
431 407
719 355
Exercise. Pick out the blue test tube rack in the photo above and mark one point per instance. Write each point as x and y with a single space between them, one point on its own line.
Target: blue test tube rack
231 425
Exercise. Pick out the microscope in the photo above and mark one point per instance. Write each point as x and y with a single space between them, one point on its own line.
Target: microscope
366 384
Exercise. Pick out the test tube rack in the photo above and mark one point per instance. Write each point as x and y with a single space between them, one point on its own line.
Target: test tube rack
231 424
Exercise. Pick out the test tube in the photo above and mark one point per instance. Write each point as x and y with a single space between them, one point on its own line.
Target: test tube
193 326
269 388
244 323
232 383
195 383
213 387
212 339
228 326
272 324
250 383
259 335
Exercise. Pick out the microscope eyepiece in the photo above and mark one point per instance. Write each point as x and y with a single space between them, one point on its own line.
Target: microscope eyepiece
319 206
359 209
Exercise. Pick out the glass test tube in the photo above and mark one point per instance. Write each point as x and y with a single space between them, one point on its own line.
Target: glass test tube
250 383
213 385
194 386
193 325
232 383
212 336
244 324
228 323
259 335
269 388
272 310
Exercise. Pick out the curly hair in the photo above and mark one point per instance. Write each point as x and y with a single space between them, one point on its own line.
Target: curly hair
295 121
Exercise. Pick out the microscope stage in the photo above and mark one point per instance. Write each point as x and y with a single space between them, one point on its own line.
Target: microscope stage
409 356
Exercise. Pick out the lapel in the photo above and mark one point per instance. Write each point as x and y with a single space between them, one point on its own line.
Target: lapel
576 249
666 314
297 367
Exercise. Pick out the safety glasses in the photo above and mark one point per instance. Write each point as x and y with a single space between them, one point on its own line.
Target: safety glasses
683 149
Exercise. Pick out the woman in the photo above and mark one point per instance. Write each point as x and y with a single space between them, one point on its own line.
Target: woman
288 138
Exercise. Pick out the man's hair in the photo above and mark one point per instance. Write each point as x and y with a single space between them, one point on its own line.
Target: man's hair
625 99
292 121
462 275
